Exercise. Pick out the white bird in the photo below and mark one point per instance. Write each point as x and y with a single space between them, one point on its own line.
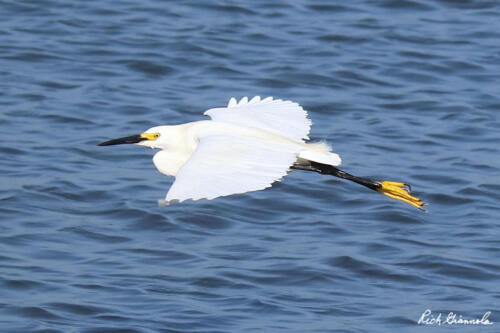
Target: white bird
247 146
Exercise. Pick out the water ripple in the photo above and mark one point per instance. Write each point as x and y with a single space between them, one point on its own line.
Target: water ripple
403 90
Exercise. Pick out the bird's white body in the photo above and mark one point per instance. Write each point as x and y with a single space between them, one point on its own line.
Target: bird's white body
245 147
180 141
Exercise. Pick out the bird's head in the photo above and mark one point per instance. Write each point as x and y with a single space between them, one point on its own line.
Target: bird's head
154 138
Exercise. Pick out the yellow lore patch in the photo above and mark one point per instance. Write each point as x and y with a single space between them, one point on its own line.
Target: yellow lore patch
150 136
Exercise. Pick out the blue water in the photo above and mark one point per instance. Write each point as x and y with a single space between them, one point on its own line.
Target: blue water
403 90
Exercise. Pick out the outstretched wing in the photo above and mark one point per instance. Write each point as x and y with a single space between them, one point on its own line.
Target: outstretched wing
284 118
224 165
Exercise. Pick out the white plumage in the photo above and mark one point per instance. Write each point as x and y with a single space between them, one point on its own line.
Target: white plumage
280 117
246 146
222 165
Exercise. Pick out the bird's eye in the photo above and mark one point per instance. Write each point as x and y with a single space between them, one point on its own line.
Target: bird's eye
156 135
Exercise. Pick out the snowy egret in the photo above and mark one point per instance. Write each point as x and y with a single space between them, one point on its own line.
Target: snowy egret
247 146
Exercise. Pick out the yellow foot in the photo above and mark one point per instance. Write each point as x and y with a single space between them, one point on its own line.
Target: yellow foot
400 191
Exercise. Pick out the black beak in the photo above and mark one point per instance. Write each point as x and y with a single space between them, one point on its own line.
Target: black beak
120 141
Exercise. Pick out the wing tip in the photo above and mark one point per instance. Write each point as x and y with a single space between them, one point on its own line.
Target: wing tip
254 100
276 112
232 102
243 101
164 203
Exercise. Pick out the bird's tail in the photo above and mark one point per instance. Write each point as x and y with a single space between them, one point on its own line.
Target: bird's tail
320 152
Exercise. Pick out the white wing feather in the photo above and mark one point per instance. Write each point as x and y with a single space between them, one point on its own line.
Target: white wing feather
224 165
284 118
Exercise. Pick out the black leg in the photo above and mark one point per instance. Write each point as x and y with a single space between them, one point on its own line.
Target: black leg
306 168
399 191
326 169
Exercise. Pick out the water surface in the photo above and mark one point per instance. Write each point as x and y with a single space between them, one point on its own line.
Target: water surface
403 90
